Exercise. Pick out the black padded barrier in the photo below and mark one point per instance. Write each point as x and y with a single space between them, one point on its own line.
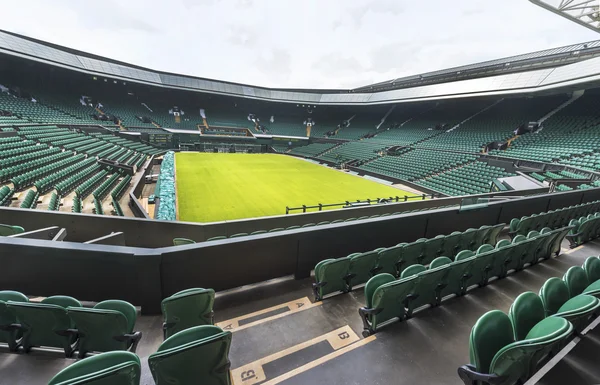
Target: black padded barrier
145 276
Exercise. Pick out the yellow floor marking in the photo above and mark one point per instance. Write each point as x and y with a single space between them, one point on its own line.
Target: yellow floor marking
317 362
296 306
573 250
253 372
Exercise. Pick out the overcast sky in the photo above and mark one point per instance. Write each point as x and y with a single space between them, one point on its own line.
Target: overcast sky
295 43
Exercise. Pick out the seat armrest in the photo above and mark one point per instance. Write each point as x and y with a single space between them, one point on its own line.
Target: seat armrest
470 376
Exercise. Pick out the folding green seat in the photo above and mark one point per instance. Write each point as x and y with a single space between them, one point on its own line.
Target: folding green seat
482 234
497 359
47 323
363 266
491 237
503 259
555 243
577 281
199 355
276 229
106 327
536 247
308 225
386 300
246 234
483 265
467 241
414 252
521 252
452 244
390 260
10 330
577 310
515 224
337 221
332 275
432 249
182 241
432 282
112 368
323 223
258 232
186 309
592 269
220 237
6 230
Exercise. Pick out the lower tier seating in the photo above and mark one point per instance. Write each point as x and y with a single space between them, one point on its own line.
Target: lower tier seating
341 274
389 299
509 349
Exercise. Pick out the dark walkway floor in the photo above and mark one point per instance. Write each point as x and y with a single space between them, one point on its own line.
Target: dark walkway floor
280 336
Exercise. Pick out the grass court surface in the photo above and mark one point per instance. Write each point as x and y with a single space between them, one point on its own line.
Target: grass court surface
217 187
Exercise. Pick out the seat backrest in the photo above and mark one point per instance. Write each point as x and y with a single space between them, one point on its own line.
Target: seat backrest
464 255
6 230
127 309
576 280
554 294
62 301
484 249
491 332
182 241
412 270
439 261
112 368
188 309
373 284
525 312
592 269
176 361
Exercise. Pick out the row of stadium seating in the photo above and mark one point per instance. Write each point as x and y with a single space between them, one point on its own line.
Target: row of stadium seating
341 274
509 348
362 151
417 164
312 150
185 241
553 218
585 229
494 124
388 299
571 131
472 178
175 362
109 328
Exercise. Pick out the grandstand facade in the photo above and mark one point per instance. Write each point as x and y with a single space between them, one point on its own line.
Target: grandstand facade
503 156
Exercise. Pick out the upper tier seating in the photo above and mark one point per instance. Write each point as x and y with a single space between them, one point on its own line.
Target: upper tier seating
494 124
417 164
572 131
362 151
472 178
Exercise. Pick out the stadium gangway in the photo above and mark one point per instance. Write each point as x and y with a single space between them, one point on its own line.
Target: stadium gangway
53 233
363 203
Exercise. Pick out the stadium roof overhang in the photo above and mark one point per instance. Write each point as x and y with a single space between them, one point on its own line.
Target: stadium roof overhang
584 73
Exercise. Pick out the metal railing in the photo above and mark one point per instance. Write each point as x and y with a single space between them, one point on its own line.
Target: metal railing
361 203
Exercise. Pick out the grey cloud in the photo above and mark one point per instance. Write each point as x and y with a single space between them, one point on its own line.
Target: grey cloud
277 64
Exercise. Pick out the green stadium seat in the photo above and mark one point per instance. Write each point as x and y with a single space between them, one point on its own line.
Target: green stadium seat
556 300
6 230
258 232
238 235
331 276
112 368
390 260
452 244
182 241
496 358
386 300
108 326
10 330
363 266
220 237
196 355
186 309
47 323
433 248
